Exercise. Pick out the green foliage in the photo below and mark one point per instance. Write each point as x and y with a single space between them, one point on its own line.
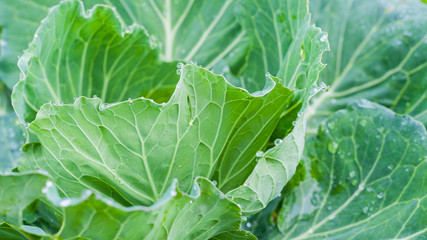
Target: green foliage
116 132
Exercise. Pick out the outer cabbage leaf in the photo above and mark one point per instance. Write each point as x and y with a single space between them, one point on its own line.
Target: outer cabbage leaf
136 148
203 214
197 30
285 44
77 53
19 20
379 52
274 169
362 178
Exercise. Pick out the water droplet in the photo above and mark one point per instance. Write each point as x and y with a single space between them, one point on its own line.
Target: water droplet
102 106
323 87
221 195
324 38
332 147
354 182
191 201
294 123
352 174
191 122
179 65
302 54
173 193
278 141
390 166
248 224
44 190
331 124
329 208
214 182
260 154
365 210
178 71
300 113
49 183
65 202
380 195
369 189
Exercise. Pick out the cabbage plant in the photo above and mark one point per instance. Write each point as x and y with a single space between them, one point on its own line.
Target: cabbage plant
196 119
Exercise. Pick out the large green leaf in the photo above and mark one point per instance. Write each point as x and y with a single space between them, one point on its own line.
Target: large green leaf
379 52
19 20
77 53
202 214
363 177
198 30
136 148
284 43
274 169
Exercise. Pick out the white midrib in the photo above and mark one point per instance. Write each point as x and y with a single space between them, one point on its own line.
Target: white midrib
349 200
170 32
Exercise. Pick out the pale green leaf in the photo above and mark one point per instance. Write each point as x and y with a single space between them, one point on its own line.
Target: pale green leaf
133 150
19 20
363 178
84 53
274 169
379 52
285 44
202 214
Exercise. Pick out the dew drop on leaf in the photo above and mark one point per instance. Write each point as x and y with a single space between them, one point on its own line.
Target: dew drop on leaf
365 210
332 147
380 195
278 141
260 154
65 202
324 38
